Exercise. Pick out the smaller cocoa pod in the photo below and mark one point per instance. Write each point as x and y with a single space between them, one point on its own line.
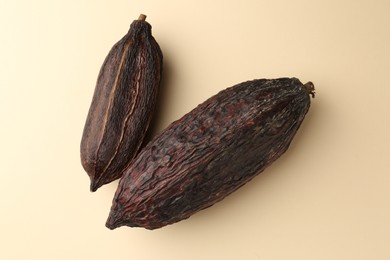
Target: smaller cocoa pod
210 152
122 104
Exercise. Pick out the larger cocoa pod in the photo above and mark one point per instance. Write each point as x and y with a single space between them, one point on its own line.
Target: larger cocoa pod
122 104
210 152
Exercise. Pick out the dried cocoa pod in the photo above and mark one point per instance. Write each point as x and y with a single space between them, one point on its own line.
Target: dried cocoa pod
122 105
210 152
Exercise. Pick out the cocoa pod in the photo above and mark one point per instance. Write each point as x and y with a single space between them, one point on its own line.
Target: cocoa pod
122 105
210 152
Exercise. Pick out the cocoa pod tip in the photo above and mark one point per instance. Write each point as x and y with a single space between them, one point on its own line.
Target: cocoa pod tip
95 185
114 220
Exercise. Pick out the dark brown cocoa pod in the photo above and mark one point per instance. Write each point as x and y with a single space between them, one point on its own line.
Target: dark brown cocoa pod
210 152
122 104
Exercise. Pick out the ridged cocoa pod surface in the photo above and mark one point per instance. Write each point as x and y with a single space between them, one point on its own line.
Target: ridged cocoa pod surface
210 152
122 105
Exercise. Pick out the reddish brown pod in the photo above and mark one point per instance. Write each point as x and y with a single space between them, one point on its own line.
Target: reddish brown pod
210 152
122 104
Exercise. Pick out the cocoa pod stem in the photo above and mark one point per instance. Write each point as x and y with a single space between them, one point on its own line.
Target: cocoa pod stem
142 17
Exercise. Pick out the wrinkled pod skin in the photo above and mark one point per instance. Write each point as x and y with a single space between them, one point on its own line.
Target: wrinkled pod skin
210 152
122 105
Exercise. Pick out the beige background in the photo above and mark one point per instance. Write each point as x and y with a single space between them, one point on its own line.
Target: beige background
327 198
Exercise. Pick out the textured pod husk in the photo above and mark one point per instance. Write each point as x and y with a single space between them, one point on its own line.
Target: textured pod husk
122 105
210 152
